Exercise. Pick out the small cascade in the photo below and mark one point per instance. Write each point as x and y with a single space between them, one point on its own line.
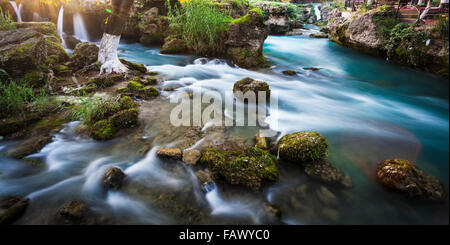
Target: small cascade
317 12
60 25
18 10
80 28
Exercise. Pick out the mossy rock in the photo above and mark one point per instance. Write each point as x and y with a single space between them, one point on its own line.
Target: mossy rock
303 147
151 80
125 119
249 84
149 92
122 90
127 102
174 46
133 66
103 130
248 167
35 79
105 81
12 125
402 176
84 54
290 72
135 86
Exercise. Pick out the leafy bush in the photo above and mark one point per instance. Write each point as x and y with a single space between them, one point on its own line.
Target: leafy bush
386 23
6 22
338 5
14 98
200 23
406 43
442 26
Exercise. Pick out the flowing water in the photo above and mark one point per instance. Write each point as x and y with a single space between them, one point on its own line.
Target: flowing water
367 108
60 25
79 28
317 11
18 10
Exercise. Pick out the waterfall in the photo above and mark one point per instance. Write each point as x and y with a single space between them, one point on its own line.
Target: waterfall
79 28
18 10
60 25
317 12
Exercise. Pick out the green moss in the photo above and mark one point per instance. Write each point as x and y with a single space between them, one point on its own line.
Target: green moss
103 130
135 86
303 147
134 66
249 167
105 81
127 102
125 119
122 90
149 92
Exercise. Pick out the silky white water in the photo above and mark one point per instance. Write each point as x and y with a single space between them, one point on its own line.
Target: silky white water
79 27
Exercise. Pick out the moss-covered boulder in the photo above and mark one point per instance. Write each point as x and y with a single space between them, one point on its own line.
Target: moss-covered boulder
125 119
318 35
247 167
133 66
302 147
149 92
103 130
127 102
30 47
249 84
84 54
135 86
402 176
245 39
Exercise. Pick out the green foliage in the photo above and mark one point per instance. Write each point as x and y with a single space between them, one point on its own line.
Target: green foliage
6 22
200 23
338 5
442 26
14 98
386 23
93 109
406 44
384 7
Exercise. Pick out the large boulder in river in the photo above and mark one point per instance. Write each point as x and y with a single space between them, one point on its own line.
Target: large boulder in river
245 40
30 47
303 147
403 176
248 167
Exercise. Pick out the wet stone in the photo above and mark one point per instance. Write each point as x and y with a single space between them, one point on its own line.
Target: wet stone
173 153
191 157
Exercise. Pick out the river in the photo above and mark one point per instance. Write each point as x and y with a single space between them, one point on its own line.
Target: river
368 109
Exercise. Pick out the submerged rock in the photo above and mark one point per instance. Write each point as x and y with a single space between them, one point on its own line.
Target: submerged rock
247 167
30 146
113 178
191 157
12 208
403 176
327 173
173 153
249 84
290 72
303 147
74 211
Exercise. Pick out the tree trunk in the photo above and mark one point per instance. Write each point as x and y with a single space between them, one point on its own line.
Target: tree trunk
425 12
107 55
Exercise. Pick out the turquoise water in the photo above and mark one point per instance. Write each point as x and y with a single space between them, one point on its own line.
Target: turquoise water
368 108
